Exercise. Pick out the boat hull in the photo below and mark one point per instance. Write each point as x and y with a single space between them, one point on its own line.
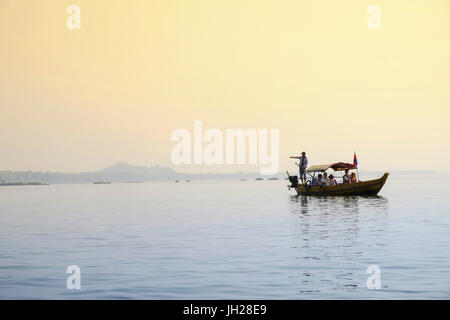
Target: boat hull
362 188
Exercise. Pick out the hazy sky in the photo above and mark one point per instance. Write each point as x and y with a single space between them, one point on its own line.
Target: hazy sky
77 100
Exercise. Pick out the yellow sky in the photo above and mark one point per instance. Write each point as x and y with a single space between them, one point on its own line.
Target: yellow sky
76 100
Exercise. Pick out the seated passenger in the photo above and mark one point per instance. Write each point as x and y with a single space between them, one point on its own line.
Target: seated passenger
346 177
318 181
353 178
325 179
332 181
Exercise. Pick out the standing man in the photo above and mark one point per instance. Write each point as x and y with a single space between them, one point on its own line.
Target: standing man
302 166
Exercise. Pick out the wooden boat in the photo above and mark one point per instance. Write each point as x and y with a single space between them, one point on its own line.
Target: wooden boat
360 188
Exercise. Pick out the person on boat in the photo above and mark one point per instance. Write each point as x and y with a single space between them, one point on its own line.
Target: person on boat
346 177
326 182
318 181
332 181
353 178
302 166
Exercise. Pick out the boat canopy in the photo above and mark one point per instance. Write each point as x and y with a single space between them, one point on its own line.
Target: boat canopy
338 166
318 168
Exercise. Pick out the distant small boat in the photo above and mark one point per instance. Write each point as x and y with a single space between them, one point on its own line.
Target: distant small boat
177 181
188 181
360 188
102 182
243 179
274 178
259 179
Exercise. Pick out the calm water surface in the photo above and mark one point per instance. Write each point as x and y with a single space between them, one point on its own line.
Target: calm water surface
226 239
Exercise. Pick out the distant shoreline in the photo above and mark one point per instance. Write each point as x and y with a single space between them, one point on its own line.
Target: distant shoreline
7 184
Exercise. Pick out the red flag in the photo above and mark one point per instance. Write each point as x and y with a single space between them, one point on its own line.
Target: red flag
355 160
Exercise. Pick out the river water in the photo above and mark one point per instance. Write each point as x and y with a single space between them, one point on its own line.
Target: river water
225 240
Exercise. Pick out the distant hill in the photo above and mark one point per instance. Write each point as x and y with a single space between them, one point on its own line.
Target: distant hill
119 172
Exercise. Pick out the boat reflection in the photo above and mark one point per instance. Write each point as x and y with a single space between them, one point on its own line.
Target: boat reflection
328 231
338 204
